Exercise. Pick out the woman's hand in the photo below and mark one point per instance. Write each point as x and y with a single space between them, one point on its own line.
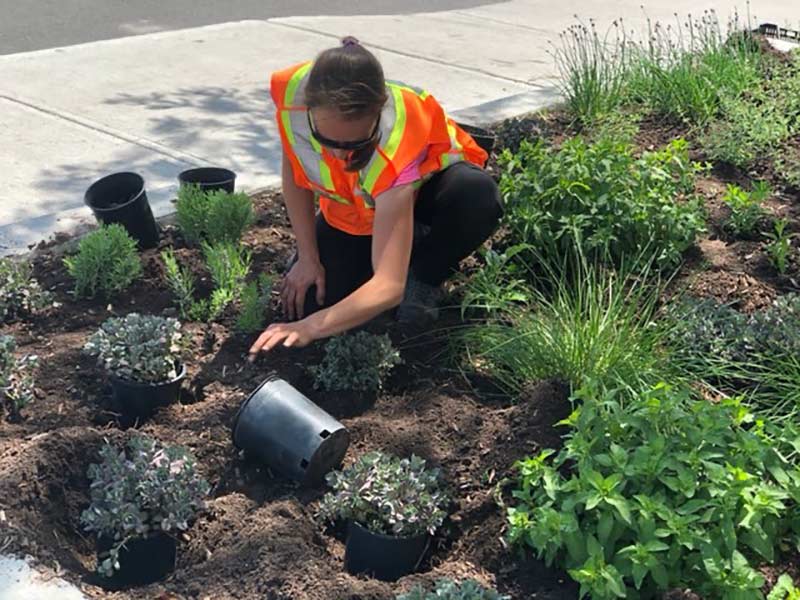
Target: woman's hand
293 335
302 275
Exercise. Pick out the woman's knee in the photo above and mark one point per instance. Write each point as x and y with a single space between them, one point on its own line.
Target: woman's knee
480 198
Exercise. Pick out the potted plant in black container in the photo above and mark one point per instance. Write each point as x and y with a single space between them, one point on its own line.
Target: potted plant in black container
139 495
142 355
392 507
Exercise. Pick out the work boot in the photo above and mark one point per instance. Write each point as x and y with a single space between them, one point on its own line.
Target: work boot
420 302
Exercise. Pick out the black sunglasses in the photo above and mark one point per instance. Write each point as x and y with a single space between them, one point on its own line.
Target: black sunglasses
337 145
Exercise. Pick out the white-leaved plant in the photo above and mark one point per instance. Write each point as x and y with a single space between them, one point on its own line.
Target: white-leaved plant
140 491
141 348
387 495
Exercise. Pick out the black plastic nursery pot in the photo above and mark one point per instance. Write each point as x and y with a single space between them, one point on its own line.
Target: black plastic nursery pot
382 556
141 561
209 179
483 137
121 198
289 433
140 400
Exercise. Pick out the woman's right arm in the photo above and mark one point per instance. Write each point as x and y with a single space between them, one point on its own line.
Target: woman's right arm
308 270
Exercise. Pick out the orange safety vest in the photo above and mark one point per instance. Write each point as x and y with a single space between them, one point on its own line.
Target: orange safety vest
411 122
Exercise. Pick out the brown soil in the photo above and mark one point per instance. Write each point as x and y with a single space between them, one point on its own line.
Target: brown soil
259 537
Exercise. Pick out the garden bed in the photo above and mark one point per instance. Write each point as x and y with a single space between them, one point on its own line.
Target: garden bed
259 537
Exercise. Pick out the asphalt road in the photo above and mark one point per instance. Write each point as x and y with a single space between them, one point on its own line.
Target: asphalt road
37 24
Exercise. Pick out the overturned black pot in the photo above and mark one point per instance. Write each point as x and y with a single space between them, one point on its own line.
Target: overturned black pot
383 557
288 432
483 137
138 400
209 179
141 561
121 198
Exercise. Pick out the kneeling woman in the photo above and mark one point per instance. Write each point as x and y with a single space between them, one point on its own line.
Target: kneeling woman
383 160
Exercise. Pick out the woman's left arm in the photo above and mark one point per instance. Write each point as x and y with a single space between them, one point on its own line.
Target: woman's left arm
392 236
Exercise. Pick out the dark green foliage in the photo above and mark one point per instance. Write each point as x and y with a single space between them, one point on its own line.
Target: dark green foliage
107 262
599 200
214 217
356 362
255 304
779 248
229 266
660 491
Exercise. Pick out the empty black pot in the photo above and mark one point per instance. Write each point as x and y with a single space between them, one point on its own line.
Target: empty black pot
288 432
483 137
121 198
141 561
140 400
381 556
209 178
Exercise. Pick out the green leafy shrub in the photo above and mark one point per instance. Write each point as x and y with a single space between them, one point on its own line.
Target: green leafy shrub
601 201
107 262
17 383
784 589
447 589
780 246
387 495
656 492
356 362
746 209
747 129
140 491
498 285
229 266
254 304
20 294
144 348
596 323
215 217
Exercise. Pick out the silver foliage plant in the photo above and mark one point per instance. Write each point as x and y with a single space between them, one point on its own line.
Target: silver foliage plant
20 294
447 589
143 348
16 377
356 362
387 495
139 492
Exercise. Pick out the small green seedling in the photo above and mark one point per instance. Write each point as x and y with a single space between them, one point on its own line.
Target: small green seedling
746 209
255 304
780 246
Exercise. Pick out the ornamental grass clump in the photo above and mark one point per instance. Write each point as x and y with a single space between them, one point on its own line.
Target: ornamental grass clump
356 362
140 491
21 296
139 348
107 262
660 491
386 495
16 378
447 589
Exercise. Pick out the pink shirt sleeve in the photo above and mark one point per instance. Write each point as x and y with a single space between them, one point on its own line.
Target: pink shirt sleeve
410 174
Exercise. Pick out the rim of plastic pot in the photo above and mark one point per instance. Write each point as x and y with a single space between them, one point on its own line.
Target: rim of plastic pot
385 536
243 406
142 384
226 175
104 180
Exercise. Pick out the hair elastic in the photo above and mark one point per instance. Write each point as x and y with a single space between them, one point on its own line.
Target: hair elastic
350 41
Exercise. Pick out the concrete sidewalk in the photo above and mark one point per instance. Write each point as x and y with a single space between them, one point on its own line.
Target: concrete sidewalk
163 102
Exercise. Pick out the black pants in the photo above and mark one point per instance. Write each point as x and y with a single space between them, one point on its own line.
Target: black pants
461 205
